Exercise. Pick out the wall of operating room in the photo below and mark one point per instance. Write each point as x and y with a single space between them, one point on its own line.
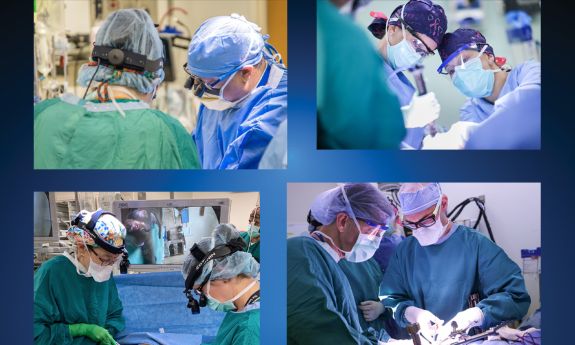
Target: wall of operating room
492 27
513 210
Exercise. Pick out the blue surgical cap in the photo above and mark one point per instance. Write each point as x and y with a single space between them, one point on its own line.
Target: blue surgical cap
416 197
223 45
225 268
132 30
361 201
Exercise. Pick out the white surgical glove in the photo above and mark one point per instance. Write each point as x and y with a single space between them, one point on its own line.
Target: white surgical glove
421 111
371 310
454 139
428 323
465 320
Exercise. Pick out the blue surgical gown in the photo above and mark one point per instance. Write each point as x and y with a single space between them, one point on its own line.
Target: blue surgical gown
525 76
321 308
236 138
440 278
355 107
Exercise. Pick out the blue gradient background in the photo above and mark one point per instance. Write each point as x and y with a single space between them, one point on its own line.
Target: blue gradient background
553 166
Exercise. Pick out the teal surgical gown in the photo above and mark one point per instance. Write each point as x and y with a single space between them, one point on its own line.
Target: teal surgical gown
70 133
440 278
63 297
321 307
253 248
356 108
241 328
236 138
364 279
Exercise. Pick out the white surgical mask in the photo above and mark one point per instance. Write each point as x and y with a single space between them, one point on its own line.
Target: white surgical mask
100 273
430 235
364 248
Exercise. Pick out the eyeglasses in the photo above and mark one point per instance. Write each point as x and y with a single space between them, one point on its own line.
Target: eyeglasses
105 262
198 86
425 222
420 47
376 230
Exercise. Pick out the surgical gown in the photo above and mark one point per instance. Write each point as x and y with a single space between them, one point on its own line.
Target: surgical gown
356 108
275 155
321 308
70 133
63 297
364 279
253 248
440 278
241 328
236 138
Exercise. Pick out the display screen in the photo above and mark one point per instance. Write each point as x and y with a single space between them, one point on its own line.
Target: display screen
164 235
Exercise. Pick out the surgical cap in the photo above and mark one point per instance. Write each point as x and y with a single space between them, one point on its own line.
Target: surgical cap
424 17
460 37
108 228
364 201
416 197
132 30
228 267
223 45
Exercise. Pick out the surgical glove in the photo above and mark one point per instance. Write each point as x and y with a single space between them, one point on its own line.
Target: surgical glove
466 319
371 310
428 323
454 139
421 111
98 334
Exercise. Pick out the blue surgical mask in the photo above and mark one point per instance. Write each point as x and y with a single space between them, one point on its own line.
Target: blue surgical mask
228 305
472 80
403 54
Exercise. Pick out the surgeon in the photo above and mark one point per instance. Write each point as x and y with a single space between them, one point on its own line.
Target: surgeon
75 299
114 126
241 83
227 283
346 223
413 32
446 272
355 107
500 99
252 236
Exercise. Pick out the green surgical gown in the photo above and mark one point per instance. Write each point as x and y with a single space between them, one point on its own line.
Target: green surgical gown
364 278
239 329
321 308
440 278
63 297
253 248
70 133
356 108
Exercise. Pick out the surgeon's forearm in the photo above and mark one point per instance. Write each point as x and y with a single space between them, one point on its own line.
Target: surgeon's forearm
504 306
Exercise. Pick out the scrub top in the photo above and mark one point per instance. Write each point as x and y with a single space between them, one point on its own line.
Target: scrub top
252 248
63 297
70 133
440 278
239 328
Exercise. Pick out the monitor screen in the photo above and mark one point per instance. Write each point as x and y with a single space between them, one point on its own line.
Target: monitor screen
163 234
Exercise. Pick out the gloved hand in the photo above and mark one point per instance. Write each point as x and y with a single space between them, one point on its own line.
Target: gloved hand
371 310
465 319
428 323
94 332
421 111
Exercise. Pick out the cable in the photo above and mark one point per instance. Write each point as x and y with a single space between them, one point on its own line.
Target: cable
91 79
456 212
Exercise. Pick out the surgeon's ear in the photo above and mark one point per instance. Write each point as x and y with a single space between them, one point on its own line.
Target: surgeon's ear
340 221
246 72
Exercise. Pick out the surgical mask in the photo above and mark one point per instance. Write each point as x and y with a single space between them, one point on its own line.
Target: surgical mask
402 55
228 305
430 235
254 230
219 103
364 248
98 272
472 80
